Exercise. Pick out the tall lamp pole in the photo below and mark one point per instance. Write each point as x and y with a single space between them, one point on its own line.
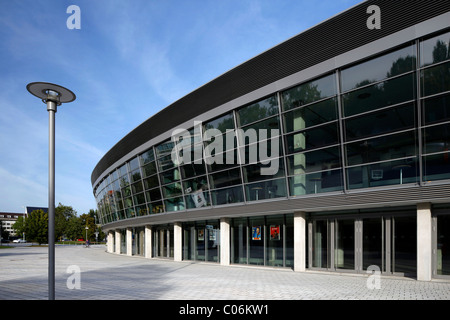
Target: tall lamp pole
52 95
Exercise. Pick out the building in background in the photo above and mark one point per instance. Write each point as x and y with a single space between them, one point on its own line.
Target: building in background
356 123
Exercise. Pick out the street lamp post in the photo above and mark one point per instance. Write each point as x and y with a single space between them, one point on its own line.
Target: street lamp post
52 95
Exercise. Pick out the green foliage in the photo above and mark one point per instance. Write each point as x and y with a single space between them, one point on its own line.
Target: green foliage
67 225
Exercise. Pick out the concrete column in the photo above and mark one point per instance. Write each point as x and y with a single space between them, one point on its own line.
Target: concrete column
118 240
178 241
110 242
148 242
424 242
225 241
129 242
299 241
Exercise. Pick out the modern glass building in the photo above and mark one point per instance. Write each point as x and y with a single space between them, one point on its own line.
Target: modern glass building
328 152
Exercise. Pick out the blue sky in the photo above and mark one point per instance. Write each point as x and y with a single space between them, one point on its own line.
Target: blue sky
129 60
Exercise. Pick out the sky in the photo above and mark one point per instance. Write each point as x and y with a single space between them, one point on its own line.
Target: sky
127 61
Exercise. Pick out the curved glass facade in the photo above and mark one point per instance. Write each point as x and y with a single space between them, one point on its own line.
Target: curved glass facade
379 122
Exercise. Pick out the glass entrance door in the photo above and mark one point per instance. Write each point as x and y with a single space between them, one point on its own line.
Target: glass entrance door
319 243
344 255
372 243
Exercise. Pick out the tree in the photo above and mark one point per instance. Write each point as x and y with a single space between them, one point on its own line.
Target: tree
62 215
35 226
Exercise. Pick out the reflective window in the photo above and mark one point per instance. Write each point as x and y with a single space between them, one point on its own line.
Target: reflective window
149 169
436 109
164 148
380 95
383 121
309 92
172 190
147 156
258 110
225 178
436 49
255 172
151 182
436 79
436 167
399 145
383 173
319 160
222 123
227 195
170 176
318 182
436 138
386 66
310 115
268 189
153 195
174 204
312 138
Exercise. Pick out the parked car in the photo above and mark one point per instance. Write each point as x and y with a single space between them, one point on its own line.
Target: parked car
19 241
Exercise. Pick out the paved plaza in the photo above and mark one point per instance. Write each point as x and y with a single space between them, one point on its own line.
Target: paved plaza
93 274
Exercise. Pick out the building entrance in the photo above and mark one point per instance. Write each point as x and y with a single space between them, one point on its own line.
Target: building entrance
163 242
358 242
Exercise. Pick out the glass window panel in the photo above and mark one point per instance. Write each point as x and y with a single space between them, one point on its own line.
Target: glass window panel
223 161
137 187
169 176
219 143
227 195
319 182
123 170
382 174
443 242
320 241
147 156
372 242
311 115
436 79
192 157
266 190
153 195
275 241
268 149
404 245
128 202
174 204
115 175
380 95
266 125
151 182
253 172
192 170
164 149
126 192
196 184
225 178
309 92
139 199
436 49
141 211
259 110
388 65
135 175
156 207
344 256
436 167
436 138
436 109
197 199
239 240
319 160
149 169
124 181
383 121
172 190
394 146
222 123
312 138
165 162
134 164
257 239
